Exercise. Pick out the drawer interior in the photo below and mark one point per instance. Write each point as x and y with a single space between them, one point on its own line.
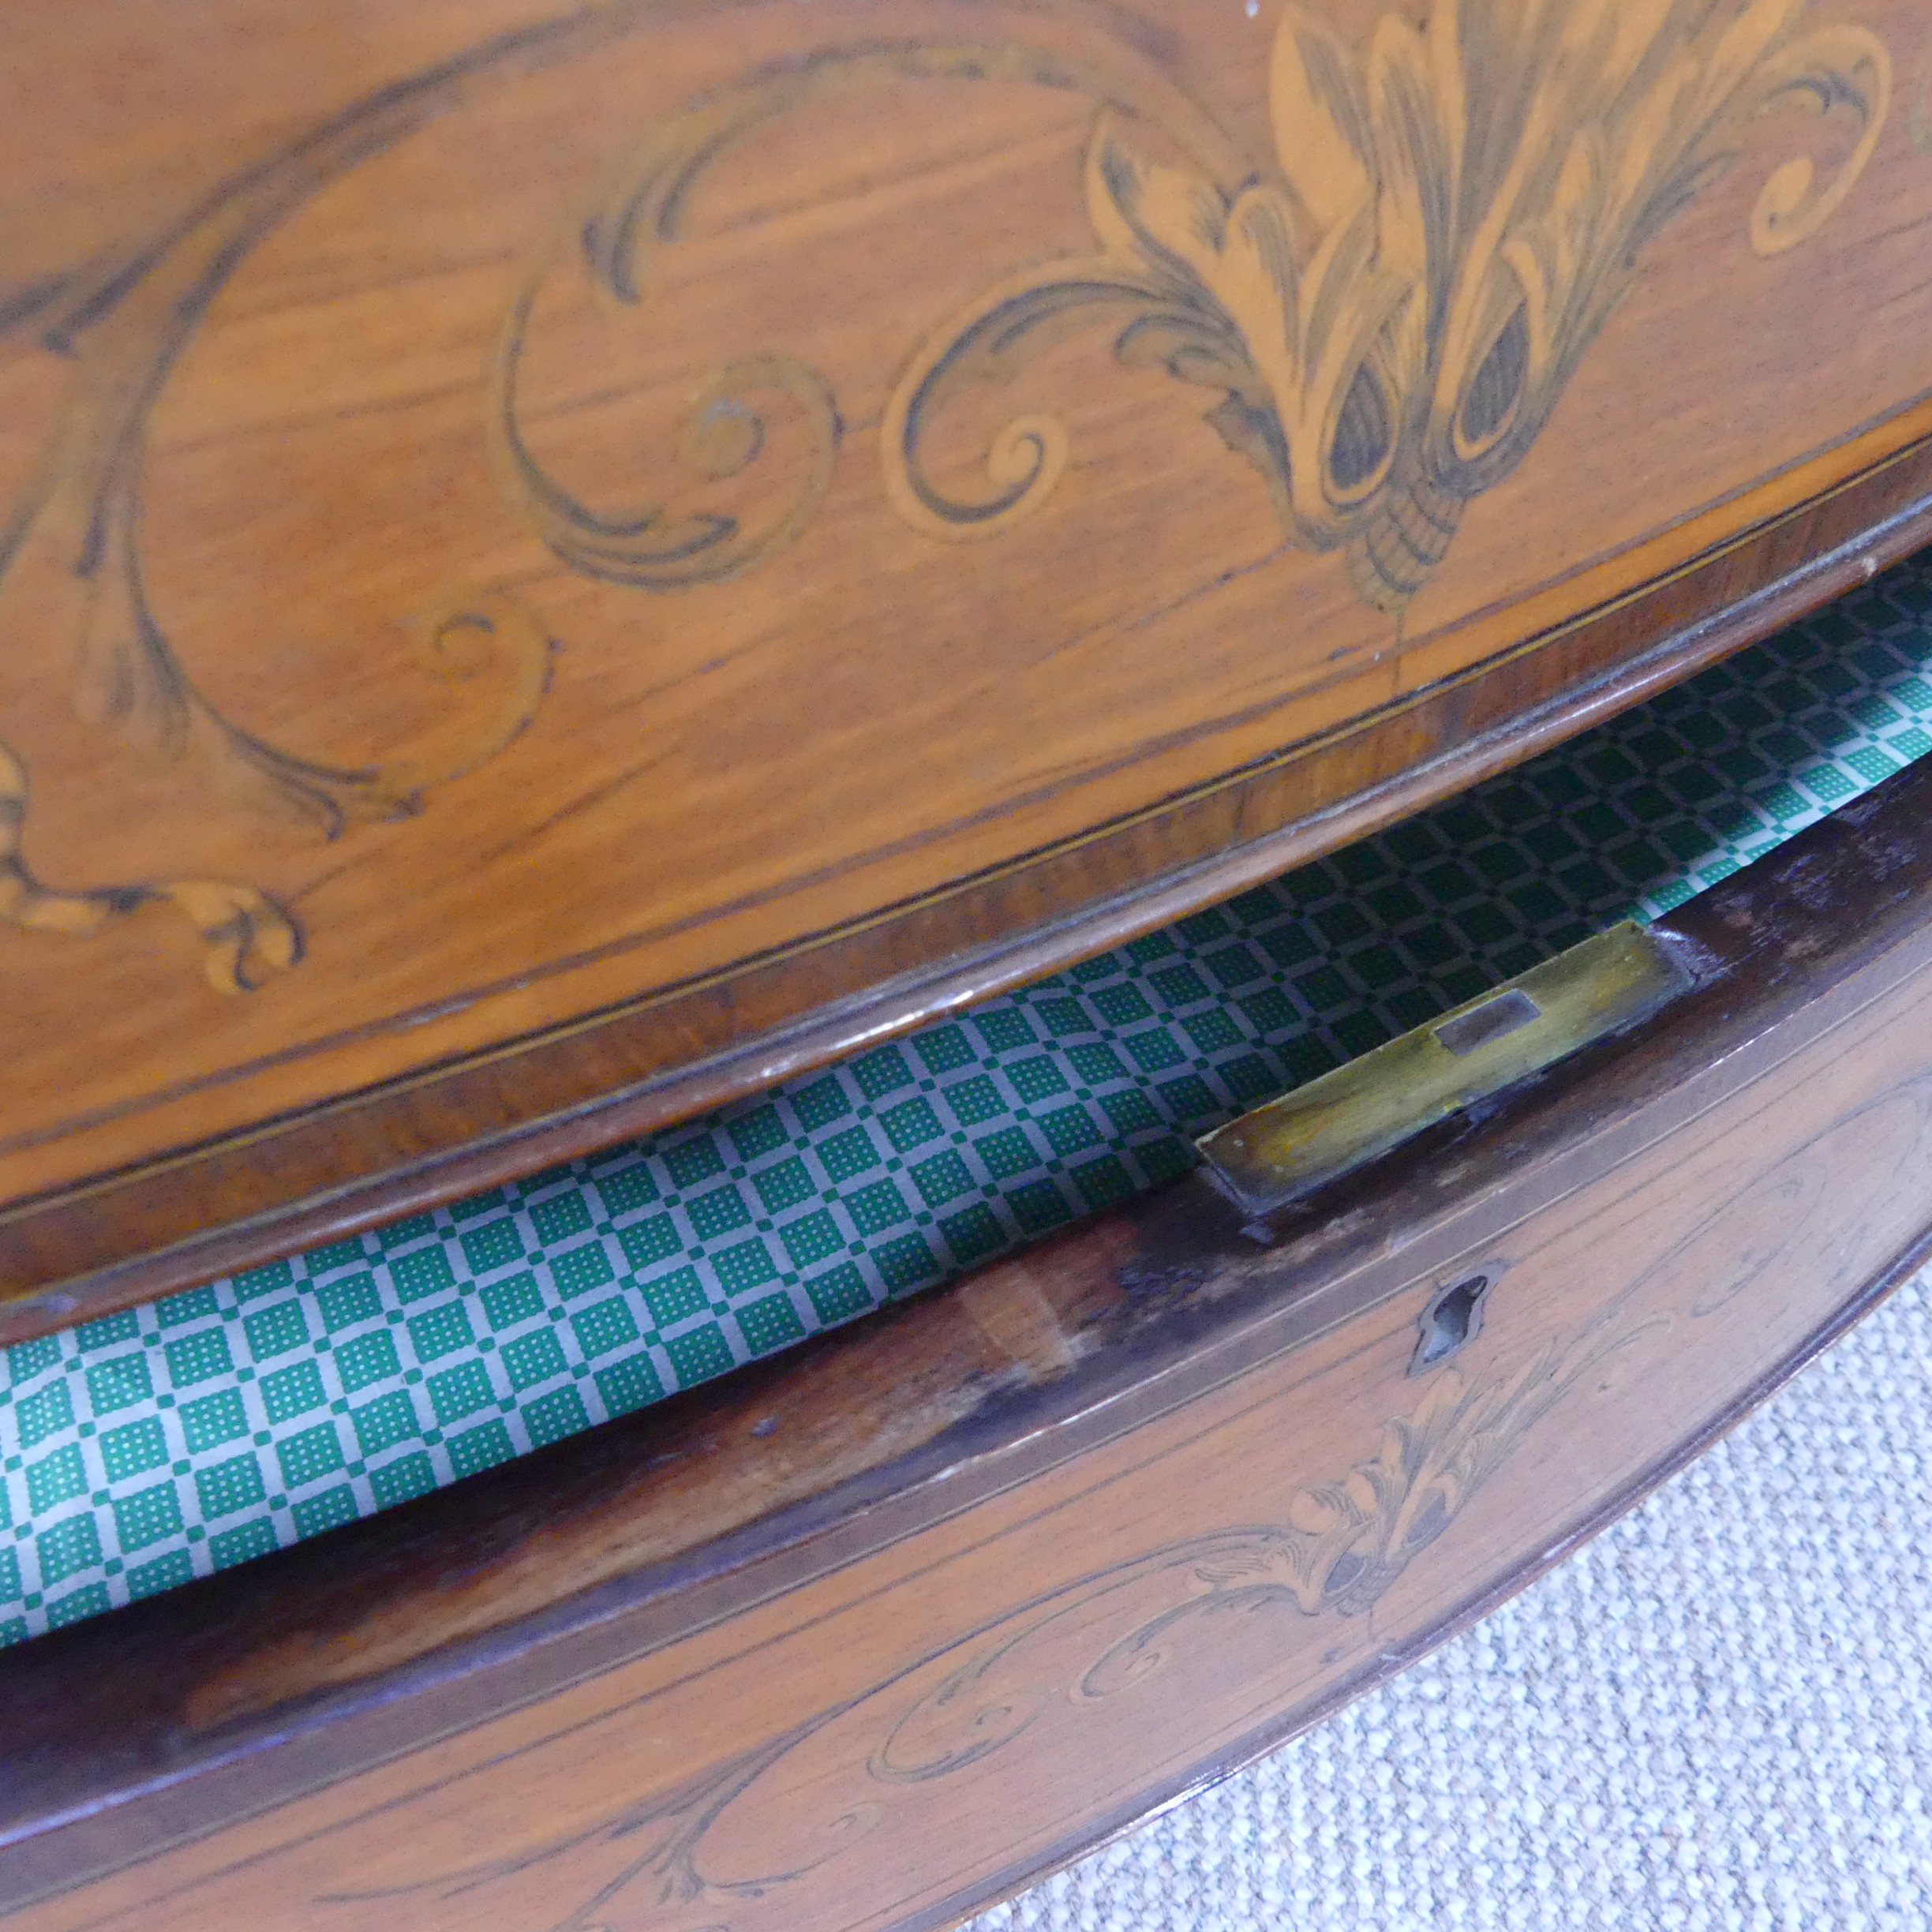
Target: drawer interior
167 1441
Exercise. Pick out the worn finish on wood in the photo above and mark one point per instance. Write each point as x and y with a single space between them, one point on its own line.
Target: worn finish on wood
561 566
871 1635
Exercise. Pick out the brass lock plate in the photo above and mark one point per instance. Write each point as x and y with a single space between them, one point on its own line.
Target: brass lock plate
1273 1156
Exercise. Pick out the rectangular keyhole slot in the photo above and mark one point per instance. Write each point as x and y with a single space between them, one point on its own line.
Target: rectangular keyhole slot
1495 1019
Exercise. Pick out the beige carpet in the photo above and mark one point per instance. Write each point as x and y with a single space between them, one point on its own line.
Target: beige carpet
1719 1715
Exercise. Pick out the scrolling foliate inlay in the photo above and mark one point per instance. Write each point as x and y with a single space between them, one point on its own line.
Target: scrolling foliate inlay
1393 310
123 322
247 936
1389 305
1343 1545
749 411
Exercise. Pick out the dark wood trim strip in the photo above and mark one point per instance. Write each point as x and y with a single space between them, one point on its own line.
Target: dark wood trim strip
330 1172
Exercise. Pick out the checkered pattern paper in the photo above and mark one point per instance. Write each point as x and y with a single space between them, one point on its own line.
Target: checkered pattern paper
171 1440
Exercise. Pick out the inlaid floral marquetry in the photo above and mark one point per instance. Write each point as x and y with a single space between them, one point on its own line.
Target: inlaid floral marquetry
1344 1544
678 518
1393 310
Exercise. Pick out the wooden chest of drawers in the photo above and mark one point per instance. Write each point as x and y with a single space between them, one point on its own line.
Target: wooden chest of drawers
559 568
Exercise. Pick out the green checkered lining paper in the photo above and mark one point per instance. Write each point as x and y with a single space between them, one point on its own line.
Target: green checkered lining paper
154 1446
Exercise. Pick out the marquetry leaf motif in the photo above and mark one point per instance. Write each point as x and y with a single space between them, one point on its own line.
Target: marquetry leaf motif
125 330
123 321
773 408
245 935
1393 312
1345 1544
1390 310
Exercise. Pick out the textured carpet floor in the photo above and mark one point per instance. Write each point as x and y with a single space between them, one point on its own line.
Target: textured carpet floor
1718 1715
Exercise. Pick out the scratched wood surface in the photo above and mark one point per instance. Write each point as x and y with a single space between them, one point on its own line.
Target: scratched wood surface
875 1634
540 552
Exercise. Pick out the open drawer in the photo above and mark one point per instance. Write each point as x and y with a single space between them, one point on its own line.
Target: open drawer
875 1630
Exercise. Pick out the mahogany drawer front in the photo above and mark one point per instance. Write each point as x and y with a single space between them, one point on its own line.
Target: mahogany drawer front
1200 1488
566 565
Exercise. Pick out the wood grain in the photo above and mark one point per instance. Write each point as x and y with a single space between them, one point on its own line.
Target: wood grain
1147 1500
566 565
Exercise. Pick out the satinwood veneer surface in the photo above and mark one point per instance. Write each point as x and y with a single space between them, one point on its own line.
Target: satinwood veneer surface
556 565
